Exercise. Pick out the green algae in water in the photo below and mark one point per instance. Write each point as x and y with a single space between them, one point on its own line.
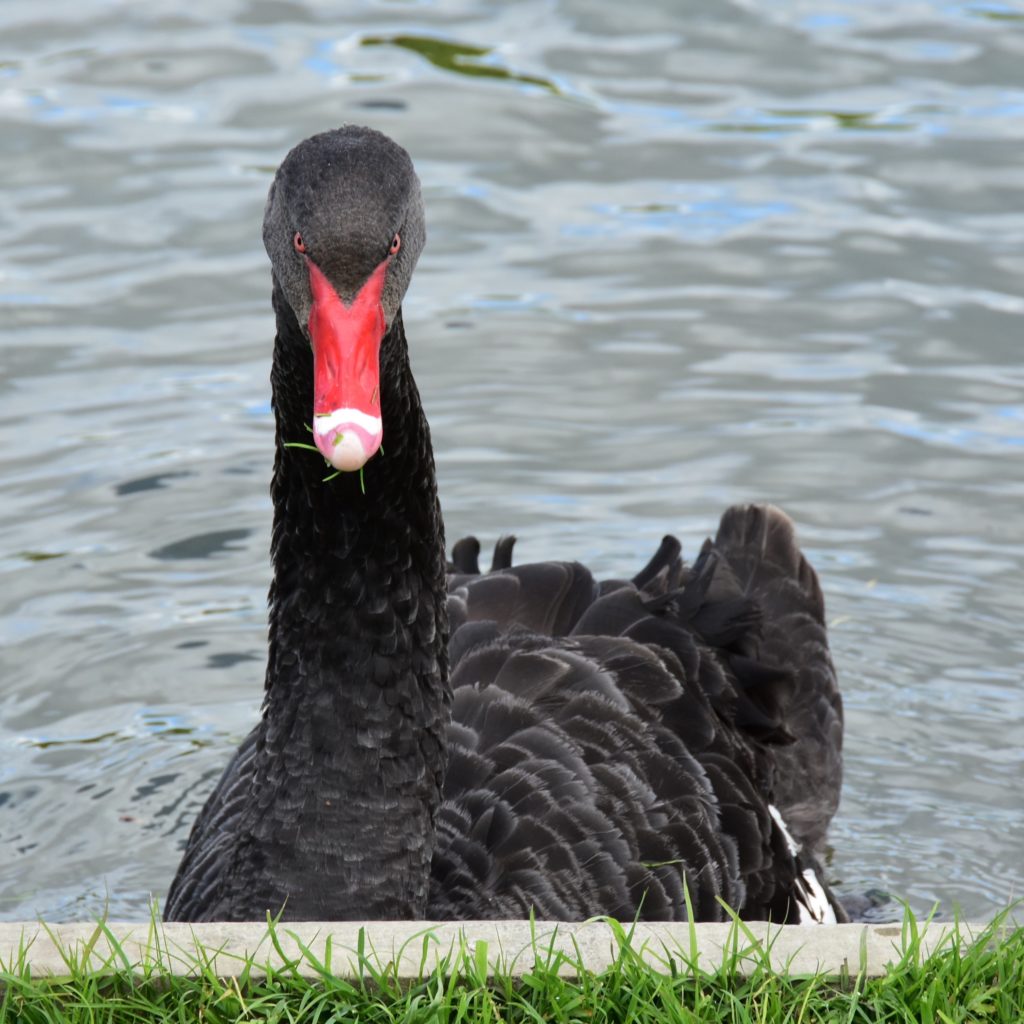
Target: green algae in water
461 58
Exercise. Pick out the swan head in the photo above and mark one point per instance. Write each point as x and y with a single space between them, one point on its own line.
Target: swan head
343 228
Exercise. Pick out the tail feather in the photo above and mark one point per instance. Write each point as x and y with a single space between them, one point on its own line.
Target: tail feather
759 545
759 542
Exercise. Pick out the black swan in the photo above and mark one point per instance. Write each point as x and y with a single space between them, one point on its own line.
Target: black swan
442 743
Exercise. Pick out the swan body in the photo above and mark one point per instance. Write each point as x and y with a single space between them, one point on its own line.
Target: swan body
442 742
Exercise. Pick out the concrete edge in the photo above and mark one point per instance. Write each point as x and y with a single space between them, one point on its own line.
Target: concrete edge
417 947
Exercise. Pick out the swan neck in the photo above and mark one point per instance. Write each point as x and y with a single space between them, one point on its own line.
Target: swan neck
357 695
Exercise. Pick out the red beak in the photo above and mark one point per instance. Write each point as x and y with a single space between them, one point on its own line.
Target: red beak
347 425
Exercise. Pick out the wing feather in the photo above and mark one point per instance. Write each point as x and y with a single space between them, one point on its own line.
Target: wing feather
615 743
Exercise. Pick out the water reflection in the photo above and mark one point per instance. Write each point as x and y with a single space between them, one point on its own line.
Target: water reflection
456 57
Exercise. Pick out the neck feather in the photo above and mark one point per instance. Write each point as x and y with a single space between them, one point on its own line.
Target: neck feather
353 754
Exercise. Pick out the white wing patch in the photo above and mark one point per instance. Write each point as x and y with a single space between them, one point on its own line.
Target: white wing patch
811 901
794 848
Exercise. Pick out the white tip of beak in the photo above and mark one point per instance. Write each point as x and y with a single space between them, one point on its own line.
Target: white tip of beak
347 438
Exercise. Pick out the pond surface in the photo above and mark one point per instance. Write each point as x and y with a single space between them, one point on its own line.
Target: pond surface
682 256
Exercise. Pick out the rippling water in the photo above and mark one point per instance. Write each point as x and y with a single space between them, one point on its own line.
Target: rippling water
679 257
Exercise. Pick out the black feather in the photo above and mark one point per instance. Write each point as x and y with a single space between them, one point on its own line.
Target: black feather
436 741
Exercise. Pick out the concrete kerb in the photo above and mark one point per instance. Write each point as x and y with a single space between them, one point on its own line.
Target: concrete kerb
415 948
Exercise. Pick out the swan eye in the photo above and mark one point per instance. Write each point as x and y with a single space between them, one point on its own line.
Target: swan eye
396 244
300 245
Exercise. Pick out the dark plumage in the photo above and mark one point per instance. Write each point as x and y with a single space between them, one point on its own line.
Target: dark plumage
445 743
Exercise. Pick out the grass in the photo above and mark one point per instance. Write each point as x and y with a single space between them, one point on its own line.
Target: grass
978 978
337 472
